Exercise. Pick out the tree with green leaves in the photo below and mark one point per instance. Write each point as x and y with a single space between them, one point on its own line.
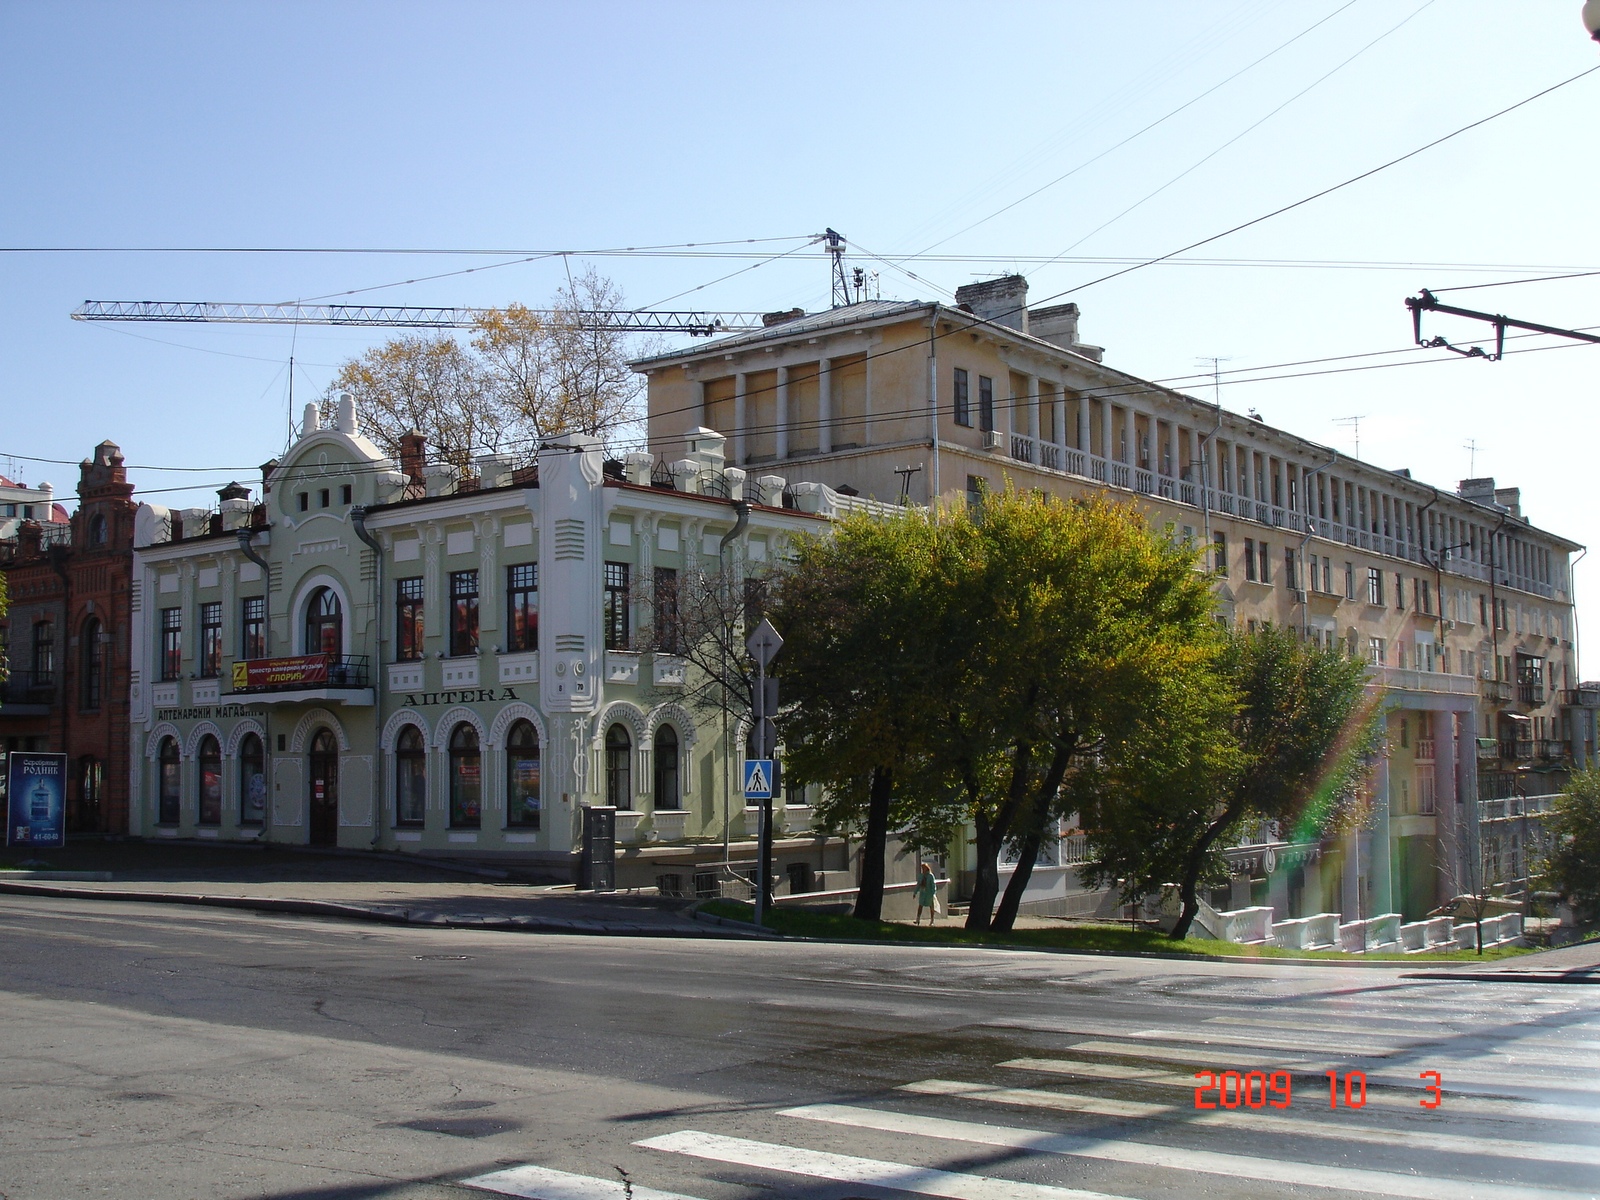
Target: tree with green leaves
1573 865
990 654
1292 748
862 651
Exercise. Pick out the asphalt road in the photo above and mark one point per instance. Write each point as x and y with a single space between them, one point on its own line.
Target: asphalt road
150 1051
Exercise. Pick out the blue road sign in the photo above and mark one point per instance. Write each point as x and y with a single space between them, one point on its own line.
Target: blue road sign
758 779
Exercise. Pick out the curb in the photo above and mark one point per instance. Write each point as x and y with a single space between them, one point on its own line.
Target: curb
380 914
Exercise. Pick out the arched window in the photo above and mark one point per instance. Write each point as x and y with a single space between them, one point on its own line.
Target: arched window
210 781
167 783
410 777
619 770
324 624
252 781
666 756
44 653
522 776
466 779
90 657
97 530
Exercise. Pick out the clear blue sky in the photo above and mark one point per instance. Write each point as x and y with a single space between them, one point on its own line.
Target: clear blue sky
527 127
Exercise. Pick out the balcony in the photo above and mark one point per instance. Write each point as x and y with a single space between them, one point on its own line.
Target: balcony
1403 679
28 693
1495 691
1551 748
304 679
1510 808
1530 693
1425 750
1583 696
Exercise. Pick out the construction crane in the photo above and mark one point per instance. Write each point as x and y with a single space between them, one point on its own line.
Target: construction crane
395 316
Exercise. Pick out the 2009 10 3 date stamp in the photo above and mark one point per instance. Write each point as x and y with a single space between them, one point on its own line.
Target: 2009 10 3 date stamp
1261 1089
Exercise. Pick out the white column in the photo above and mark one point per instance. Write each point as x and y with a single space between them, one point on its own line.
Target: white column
1060 407
1083 425
1107 420
824 406
739 411
781 419
1034 400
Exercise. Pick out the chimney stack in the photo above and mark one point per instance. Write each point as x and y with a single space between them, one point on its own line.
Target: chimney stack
1003 301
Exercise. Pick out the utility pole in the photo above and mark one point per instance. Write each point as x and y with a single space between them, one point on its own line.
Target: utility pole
760 773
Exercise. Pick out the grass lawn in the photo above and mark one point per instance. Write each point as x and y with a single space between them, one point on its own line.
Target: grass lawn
1114 939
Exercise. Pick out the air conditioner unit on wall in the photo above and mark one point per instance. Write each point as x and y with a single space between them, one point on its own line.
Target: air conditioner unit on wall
991 439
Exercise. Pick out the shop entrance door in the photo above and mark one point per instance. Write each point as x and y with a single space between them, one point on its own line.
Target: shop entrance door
324 789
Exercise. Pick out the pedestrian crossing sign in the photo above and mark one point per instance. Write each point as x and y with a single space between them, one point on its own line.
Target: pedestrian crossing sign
758 779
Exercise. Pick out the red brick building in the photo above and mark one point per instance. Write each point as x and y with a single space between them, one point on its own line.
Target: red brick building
64 636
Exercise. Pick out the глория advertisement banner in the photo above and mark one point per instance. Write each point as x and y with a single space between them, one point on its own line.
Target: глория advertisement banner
36 787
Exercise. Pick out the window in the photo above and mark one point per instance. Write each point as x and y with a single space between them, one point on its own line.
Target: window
466 779
463 613
1399 591
616 606
44 653
619 771
410 777
1483 610
1375 587
210 781
305 500
322 497
665 620
252 781
1219 554
167 776
1349 581
325 624
666 766
253 627
522 776
1327 576
985 403
344 493
976 486
91 782
97 530
211 639
1263 552
522 607
1376 650
91 656
1250 559
1291 575
171 643
962 399
408 619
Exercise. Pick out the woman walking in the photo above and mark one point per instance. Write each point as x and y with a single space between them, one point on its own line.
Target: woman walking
927 894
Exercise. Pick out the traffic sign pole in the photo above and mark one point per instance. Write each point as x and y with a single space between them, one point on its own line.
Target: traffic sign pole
764 644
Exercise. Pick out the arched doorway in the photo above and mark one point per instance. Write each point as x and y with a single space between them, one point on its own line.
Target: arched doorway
324 789
325 624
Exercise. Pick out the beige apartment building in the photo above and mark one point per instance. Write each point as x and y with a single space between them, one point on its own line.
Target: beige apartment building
1460 603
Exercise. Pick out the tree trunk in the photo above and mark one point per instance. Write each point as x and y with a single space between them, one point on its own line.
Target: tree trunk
869 895
1193 864
1005 916
986 884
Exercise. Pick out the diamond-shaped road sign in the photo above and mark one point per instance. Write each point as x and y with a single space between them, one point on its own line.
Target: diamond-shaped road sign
764 643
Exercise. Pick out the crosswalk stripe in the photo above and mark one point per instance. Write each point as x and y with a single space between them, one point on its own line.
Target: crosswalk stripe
541 1183
1494 1082
1208 1162
1369 1048
1268 1122
1532 1050
1500 1108
847 1168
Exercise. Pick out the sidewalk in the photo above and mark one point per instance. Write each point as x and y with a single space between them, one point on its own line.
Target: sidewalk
1567 964
387 888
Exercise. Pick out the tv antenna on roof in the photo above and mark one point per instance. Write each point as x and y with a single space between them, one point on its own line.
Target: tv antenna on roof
1471 447
1355 425
905 474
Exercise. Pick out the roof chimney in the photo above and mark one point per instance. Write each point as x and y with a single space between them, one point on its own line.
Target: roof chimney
1480 491
1003 301
413 449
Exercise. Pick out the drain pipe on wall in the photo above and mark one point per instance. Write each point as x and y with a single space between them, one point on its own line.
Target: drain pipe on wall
249 551
742 507
358 518
1305 592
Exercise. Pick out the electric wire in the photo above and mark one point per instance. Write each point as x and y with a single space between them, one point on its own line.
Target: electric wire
1468 287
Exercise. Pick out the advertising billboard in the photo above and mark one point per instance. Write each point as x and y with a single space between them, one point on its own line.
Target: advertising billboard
36 788
261 674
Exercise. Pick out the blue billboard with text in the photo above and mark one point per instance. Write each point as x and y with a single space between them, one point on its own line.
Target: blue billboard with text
36 791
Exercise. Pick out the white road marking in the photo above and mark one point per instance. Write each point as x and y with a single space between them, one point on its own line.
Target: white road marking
1365 1049
1505 1109
541 1183
1207 1162
1336 1128
847 1168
